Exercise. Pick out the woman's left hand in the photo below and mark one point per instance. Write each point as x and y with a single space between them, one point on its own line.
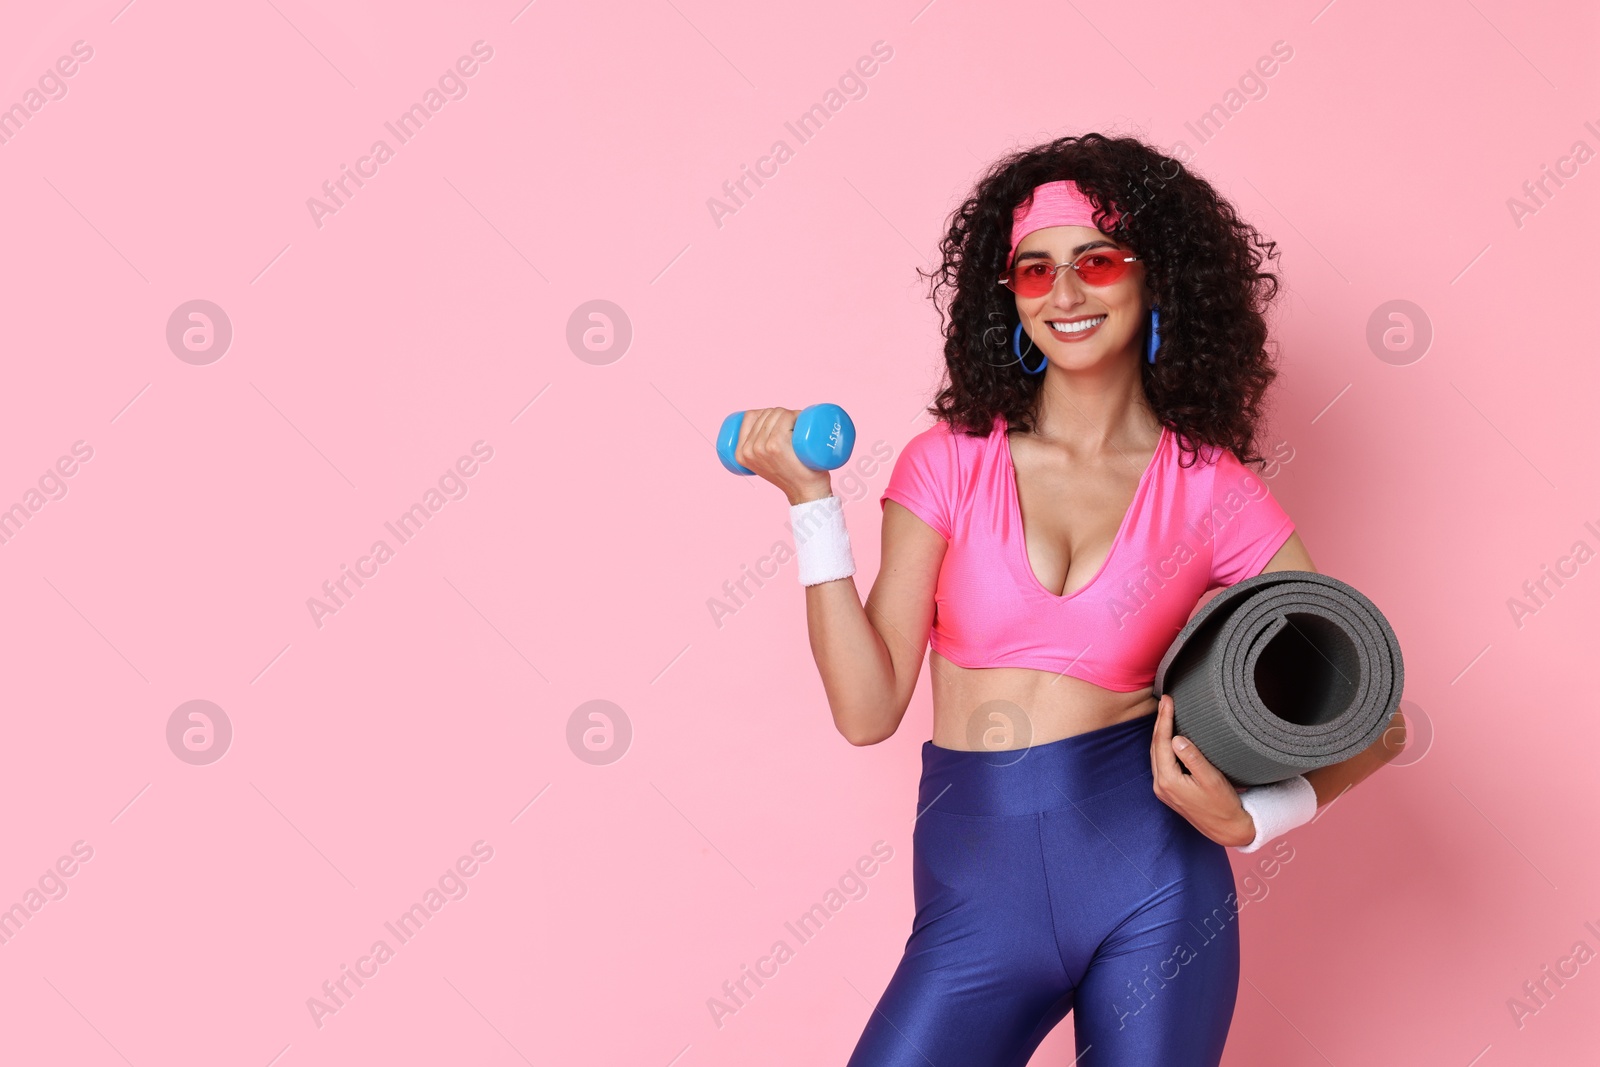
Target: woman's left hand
1204 796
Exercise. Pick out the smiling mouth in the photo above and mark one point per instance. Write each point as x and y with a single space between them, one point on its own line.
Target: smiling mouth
1072 330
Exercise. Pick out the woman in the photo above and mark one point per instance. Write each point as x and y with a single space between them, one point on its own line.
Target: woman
1083 487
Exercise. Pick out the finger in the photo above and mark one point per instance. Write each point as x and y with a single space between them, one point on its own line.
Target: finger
1161 716
1200 768
783 424
1164 769
1163 763
773 437
742 451
778 437
761 434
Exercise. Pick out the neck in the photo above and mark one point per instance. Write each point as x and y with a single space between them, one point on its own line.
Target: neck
1095 409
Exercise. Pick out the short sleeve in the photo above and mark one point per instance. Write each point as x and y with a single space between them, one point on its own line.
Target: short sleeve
1248 524
924 478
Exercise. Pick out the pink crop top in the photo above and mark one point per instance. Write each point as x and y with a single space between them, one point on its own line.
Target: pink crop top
1188 530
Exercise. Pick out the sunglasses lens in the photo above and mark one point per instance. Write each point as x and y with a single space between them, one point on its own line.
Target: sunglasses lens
1101 268
1036 277
1032 279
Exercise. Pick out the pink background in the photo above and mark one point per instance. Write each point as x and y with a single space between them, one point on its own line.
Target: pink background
432 710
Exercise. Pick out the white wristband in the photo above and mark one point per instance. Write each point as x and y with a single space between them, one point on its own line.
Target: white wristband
821 541
1278 808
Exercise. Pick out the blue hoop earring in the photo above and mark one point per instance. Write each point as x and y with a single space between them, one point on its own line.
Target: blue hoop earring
1153 342
1016 348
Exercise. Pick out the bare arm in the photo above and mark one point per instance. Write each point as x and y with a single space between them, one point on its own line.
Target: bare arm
869 656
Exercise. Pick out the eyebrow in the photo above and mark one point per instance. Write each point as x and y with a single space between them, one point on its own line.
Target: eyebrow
1075 253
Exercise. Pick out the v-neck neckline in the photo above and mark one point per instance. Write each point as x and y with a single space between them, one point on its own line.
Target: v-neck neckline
1015 501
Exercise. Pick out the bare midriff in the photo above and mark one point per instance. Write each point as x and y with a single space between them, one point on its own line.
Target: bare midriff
999 708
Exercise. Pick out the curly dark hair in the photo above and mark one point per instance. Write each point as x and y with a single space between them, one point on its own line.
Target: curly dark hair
1202 264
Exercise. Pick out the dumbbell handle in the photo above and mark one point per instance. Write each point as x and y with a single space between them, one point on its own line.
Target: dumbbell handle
823 438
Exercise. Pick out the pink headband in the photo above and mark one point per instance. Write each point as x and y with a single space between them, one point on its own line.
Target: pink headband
1053 204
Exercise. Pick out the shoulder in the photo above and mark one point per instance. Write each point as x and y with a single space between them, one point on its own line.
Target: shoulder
1219 463
1206 455
943 445
940 435
1219 476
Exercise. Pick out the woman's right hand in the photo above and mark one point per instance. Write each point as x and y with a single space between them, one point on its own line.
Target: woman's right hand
766 446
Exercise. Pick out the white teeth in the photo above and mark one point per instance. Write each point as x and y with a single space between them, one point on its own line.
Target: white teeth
1077 327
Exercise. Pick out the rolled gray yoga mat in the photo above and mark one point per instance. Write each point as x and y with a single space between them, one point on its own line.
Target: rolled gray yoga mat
1283 673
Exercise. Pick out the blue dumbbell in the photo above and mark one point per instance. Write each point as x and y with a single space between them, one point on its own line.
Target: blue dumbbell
823 438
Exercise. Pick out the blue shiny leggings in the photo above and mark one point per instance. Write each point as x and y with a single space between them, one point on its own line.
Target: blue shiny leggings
1052 879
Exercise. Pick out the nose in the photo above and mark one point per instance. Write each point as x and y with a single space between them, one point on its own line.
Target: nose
1067 290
